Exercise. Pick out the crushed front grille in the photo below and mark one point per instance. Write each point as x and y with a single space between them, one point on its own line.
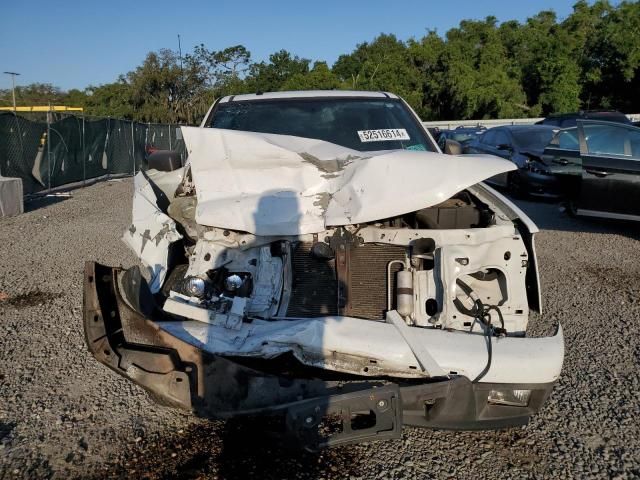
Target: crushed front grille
314 289
315 282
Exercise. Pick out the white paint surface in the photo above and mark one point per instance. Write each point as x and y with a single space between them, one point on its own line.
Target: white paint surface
349 344
284 185
151 232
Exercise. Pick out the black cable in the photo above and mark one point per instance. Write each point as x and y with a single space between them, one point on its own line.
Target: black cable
481 312
489 329
489 356
499 331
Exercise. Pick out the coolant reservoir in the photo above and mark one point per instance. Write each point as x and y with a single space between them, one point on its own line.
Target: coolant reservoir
404 293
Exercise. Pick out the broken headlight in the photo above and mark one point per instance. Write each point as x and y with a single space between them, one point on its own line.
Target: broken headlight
233 282
194 287
513 398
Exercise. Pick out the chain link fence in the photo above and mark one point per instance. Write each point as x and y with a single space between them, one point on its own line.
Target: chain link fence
55 149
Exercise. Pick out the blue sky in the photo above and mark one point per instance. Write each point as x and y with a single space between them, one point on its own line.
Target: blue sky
75 43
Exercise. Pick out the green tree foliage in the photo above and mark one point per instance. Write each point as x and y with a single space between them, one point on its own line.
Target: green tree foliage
320 77
272 75
383 64
34 94
222 71
547 62
478 79
112 99
480 69
163 90
611 53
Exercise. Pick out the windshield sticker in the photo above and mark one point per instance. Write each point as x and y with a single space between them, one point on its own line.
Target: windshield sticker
383 135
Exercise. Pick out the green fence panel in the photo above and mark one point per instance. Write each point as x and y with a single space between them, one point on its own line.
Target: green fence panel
95 142
177 142
159 137
78 148
65 152
166 137
119 147
22 145
140 146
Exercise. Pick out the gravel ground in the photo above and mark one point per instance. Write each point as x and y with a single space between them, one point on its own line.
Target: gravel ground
64 415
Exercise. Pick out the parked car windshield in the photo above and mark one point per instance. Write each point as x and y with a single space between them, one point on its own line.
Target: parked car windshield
463 136
360 124
533 138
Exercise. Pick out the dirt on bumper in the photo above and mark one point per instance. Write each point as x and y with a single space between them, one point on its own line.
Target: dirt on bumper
307 408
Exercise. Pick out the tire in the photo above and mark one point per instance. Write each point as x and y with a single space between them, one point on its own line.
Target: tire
570 208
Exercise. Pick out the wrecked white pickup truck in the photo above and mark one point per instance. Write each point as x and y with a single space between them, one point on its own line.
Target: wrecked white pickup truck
320 262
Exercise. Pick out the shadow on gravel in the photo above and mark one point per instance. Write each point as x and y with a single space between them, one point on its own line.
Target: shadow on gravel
227 450
36 203
29 299
6 428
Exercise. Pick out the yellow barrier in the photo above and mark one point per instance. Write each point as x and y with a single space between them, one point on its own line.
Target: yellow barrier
47 108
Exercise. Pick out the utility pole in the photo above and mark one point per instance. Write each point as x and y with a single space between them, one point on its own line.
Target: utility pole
181 77
13 89
180 51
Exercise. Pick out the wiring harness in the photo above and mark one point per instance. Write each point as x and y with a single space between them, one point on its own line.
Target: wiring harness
481 314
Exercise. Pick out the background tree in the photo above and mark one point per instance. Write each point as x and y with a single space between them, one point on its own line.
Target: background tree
33 94
383 64
112 99
480 69
320 77
426 56
272 75
611 63
223 71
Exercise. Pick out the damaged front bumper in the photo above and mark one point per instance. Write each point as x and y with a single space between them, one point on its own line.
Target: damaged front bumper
314 407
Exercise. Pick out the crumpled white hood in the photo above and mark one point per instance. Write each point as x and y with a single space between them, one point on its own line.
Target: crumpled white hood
269 184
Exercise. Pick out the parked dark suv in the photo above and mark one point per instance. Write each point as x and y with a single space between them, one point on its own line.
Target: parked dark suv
568 120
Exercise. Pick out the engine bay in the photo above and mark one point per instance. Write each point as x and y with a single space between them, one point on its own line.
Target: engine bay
453 266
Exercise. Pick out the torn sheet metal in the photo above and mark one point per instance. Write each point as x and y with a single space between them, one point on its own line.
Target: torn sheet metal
151 232
270 184
364 347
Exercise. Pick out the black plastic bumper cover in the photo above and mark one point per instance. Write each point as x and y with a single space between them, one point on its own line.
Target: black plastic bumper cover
316 412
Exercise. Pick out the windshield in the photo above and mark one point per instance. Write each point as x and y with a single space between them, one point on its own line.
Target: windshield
462 137
534 139
359 124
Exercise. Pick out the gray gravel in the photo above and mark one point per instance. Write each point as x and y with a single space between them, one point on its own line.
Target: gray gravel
64 415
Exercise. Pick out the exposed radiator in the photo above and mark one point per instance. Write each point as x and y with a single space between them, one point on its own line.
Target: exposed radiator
315 282
314 289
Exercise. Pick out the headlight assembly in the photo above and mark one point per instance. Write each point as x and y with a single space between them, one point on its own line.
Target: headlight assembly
513 398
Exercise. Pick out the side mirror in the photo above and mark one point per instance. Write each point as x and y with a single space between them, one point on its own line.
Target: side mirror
164 160
504 146
451 147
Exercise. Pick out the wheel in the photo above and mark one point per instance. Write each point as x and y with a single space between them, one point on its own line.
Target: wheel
571 208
